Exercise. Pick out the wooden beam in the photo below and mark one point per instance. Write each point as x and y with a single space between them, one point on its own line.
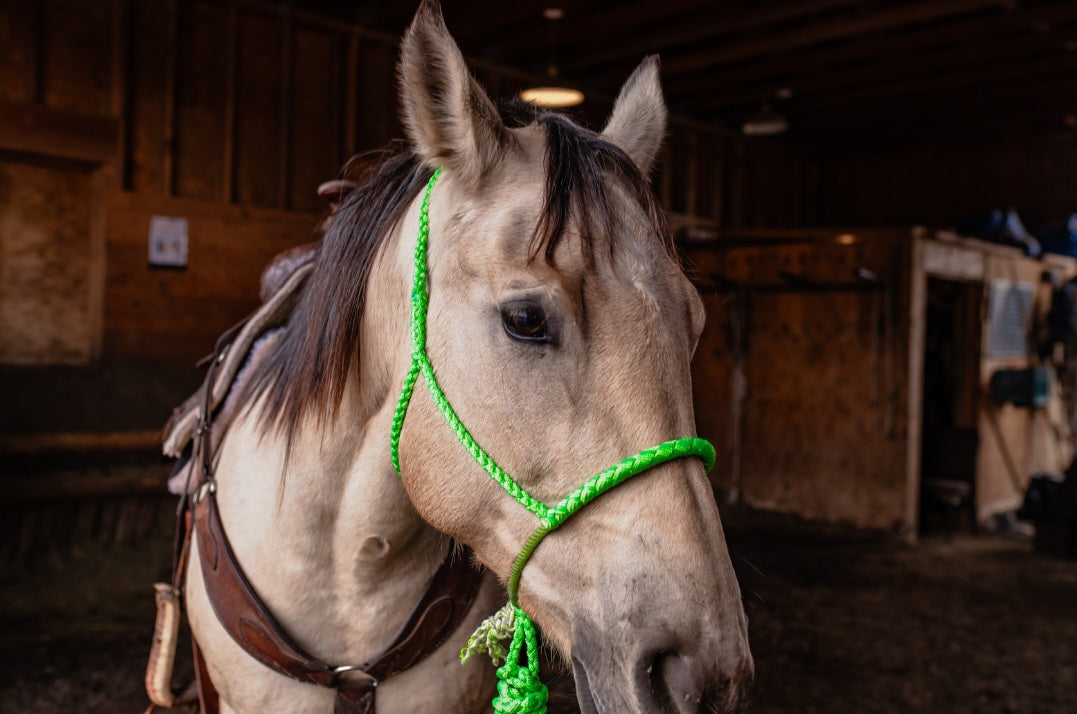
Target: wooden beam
975 130
971 64
950 86
992 100
49 488
41 443
480 21
694 30
577 32
34 129
953 36
913 13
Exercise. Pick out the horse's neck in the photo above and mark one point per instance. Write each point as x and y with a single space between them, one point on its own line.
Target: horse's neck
328 537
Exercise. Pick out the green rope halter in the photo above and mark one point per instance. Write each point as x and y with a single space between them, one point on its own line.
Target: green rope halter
519 688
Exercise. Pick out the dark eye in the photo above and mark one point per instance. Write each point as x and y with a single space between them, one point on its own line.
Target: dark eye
525 321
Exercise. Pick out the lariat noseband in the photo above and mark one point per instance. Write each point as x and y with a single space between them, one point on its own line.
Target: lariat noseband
519 688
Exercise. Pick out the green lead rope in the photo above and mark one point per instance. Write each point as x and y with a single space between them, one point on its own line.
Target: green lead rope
519 690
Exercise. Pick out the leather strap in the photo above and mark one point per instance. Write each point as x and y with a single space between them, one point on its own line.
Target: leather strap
209 702
447 599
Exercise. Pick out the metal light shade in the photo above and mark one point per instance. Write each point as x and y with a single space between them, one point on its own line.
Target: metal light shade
553 97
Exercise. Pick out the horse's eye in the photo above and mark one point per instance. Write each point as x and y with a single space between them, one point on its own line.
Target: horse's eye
525 321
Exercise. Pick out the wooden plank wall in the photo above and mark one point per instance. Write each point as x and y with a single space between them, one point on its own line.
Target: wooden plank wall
46 258
821 428
226 105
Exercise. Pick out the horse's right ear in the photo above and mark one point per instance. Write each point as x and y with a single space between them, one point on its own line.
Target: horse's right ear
447 115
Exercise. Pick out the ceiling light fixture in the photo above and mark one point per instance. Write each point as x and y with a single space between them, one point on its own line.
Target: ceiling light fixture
554 95
765 122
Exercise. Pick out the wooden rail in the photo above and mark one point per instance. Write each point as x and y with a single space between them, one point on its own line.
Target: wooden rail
47 443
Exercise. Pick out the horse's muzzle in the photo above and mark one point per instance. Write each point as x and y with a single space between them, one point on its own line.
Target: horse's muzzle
661 679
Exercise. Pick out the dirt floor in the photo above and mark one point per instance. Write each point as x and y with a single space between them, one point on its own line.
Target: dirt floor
841 621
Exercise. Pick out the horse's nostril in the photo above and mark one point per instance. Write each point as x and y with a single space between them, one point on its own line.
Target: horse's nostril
673 684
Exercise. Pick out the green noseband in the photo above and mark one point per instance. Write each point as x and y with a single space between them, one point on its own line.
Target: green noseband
519 689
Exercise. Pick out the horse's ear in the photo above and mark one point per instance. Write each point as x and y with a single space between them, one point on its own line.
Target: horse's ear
447 115
638 122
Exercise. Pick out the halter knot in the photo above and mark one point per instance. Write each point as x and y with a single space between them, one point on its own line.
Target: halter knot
519 690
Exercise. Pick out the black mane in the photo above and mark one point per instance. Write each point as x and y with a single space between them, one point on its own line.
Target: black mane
308 368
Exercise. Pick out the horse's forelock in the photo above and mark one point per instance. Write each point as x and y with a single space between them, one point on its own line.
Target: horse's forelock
580 166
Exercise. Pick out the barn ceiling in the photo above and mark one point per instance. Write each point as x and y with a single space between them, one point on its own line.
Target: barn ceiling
839 70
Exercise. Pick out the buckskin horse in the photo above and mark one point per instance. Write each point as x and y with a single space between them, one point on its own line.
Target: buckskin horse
495 314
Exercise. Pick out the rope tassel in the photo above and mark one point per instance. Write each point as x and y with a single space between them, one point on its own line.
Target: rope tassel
519 690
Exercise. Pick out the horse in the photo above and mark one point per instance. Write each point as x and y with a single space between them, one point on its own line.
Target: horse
560 328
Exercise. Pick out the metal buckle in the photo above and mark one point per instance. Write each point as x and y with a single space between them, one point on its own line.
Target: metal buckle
337 671
208 486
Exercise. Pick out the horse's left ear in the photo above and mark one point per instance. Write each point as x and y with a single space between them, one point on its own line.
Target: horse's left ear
638 122
447 115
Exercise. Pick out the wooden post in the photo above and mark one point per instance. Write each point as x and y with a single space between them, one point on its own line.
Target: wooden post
35 78
168 145
231 59
119 104
283 147
98 266
914 396
691 198
668 168
719 182
351 95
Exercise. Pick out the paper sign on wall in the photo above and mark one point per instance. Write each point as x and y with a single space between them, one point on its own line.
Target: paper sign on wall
168 242
1009 318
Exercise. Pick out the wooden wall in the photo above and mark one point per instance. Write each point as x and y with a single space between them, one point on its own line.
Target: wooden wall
228 114
46 259
800 376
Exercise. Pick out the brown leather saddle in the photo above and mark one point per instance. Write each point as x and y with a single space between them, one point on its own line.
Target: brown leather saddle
189 435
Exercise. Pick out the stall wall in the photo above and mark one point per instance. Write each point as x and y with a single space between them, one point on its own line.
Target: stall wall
800 377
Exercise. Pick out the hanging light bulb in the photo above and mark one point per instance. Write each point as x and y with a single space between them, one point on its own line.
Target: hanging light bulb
555 94
765 122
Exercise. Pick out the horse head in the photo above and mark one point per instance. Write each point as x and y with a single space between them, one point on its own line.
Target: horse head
560 328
